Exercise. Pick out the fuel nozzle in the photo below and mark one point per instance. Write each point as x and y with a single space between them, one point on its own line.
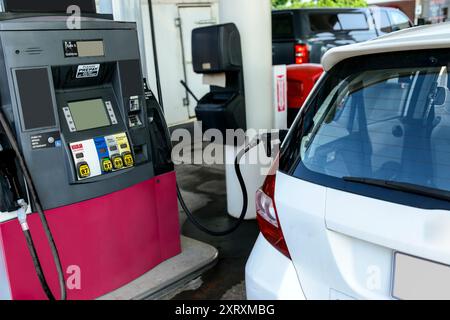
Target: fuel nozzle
22 214
271 141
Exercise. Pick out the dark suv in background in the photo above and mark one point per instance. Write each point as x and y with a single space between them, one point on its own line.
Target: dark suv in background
304 35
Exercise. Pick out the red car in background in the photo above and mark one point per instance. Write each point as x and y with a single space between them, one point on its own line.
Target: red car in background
301 80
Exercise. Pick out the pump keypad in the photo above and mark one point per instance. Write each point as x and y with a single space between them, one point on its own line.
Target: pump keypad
102 155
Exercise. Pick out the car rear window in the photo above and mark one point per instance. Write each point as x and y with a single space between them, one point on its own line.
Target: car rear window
380 119
385 124
283 26
329 22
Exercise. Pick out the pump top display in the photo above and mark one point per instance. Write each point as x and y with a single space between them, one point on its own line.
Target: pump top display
55 6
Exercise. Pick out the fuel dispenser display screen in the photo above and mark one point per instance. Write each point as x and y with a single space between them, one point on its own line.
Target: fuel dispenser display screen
84 49
90 49
89 114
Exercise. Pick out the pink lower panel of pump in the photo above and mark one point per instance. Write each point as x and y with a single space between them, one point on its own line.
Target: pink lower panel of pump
104 243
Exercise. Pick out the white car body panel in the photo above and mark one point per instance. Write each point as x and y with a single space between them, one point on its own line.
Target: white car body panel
417 232
301 210
270 275
344 243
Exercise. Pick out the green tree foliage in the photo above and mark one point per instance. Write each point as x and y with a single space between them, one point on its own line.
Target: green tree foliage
279 4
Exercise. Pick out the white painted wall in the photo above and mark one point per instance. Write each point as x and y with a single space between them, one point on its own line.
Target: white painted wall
168 40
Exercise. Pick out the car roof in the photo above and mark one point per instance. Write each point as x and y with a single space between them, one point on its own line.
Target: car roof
435 36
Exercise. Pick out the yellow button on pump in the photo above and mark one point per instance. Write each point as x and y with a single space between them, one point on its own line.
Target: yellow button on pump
118 162
107 165
128 159
83 170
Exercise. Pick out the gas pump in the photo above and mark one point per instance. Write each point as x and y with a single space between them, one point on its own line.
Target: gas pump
86 153
81 148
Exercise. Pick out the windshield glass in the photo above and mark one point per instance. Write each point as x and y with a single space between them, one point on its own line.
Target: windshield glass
331 22
283 26
388 124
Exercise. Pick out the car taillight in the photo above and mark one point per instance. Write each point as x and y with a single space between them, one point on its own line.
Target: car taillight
301 54
267 216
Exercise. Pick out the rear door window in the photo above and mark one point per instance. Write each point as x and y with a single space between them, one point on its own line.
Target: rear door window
399 20
283 26
383 21
329 22
353 21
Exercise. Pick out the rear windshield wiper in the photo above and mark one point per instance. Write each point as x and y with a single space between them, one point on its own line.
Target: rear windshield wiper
402 186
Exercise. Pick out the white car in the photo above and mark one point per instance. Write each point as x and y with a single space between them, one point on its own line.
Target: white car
360 205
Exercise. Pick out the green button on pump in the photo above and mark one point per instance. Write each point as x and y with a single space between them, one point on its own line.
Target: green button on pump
107 165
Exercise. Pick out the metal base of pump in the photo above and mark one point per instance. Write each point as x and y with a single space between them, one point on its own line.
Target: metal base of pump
104 243
172 276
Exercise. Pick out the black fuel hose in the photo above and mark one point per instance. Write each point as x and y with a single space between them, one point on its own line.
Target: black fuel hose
37 265
238 171
34 197
241 218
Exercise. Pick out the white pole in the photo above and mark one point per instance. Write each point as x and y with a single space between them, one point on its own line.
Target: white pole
254 21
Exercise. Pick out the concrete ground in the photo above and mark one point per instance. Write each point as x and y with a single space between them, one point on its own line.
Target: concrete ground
204 191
